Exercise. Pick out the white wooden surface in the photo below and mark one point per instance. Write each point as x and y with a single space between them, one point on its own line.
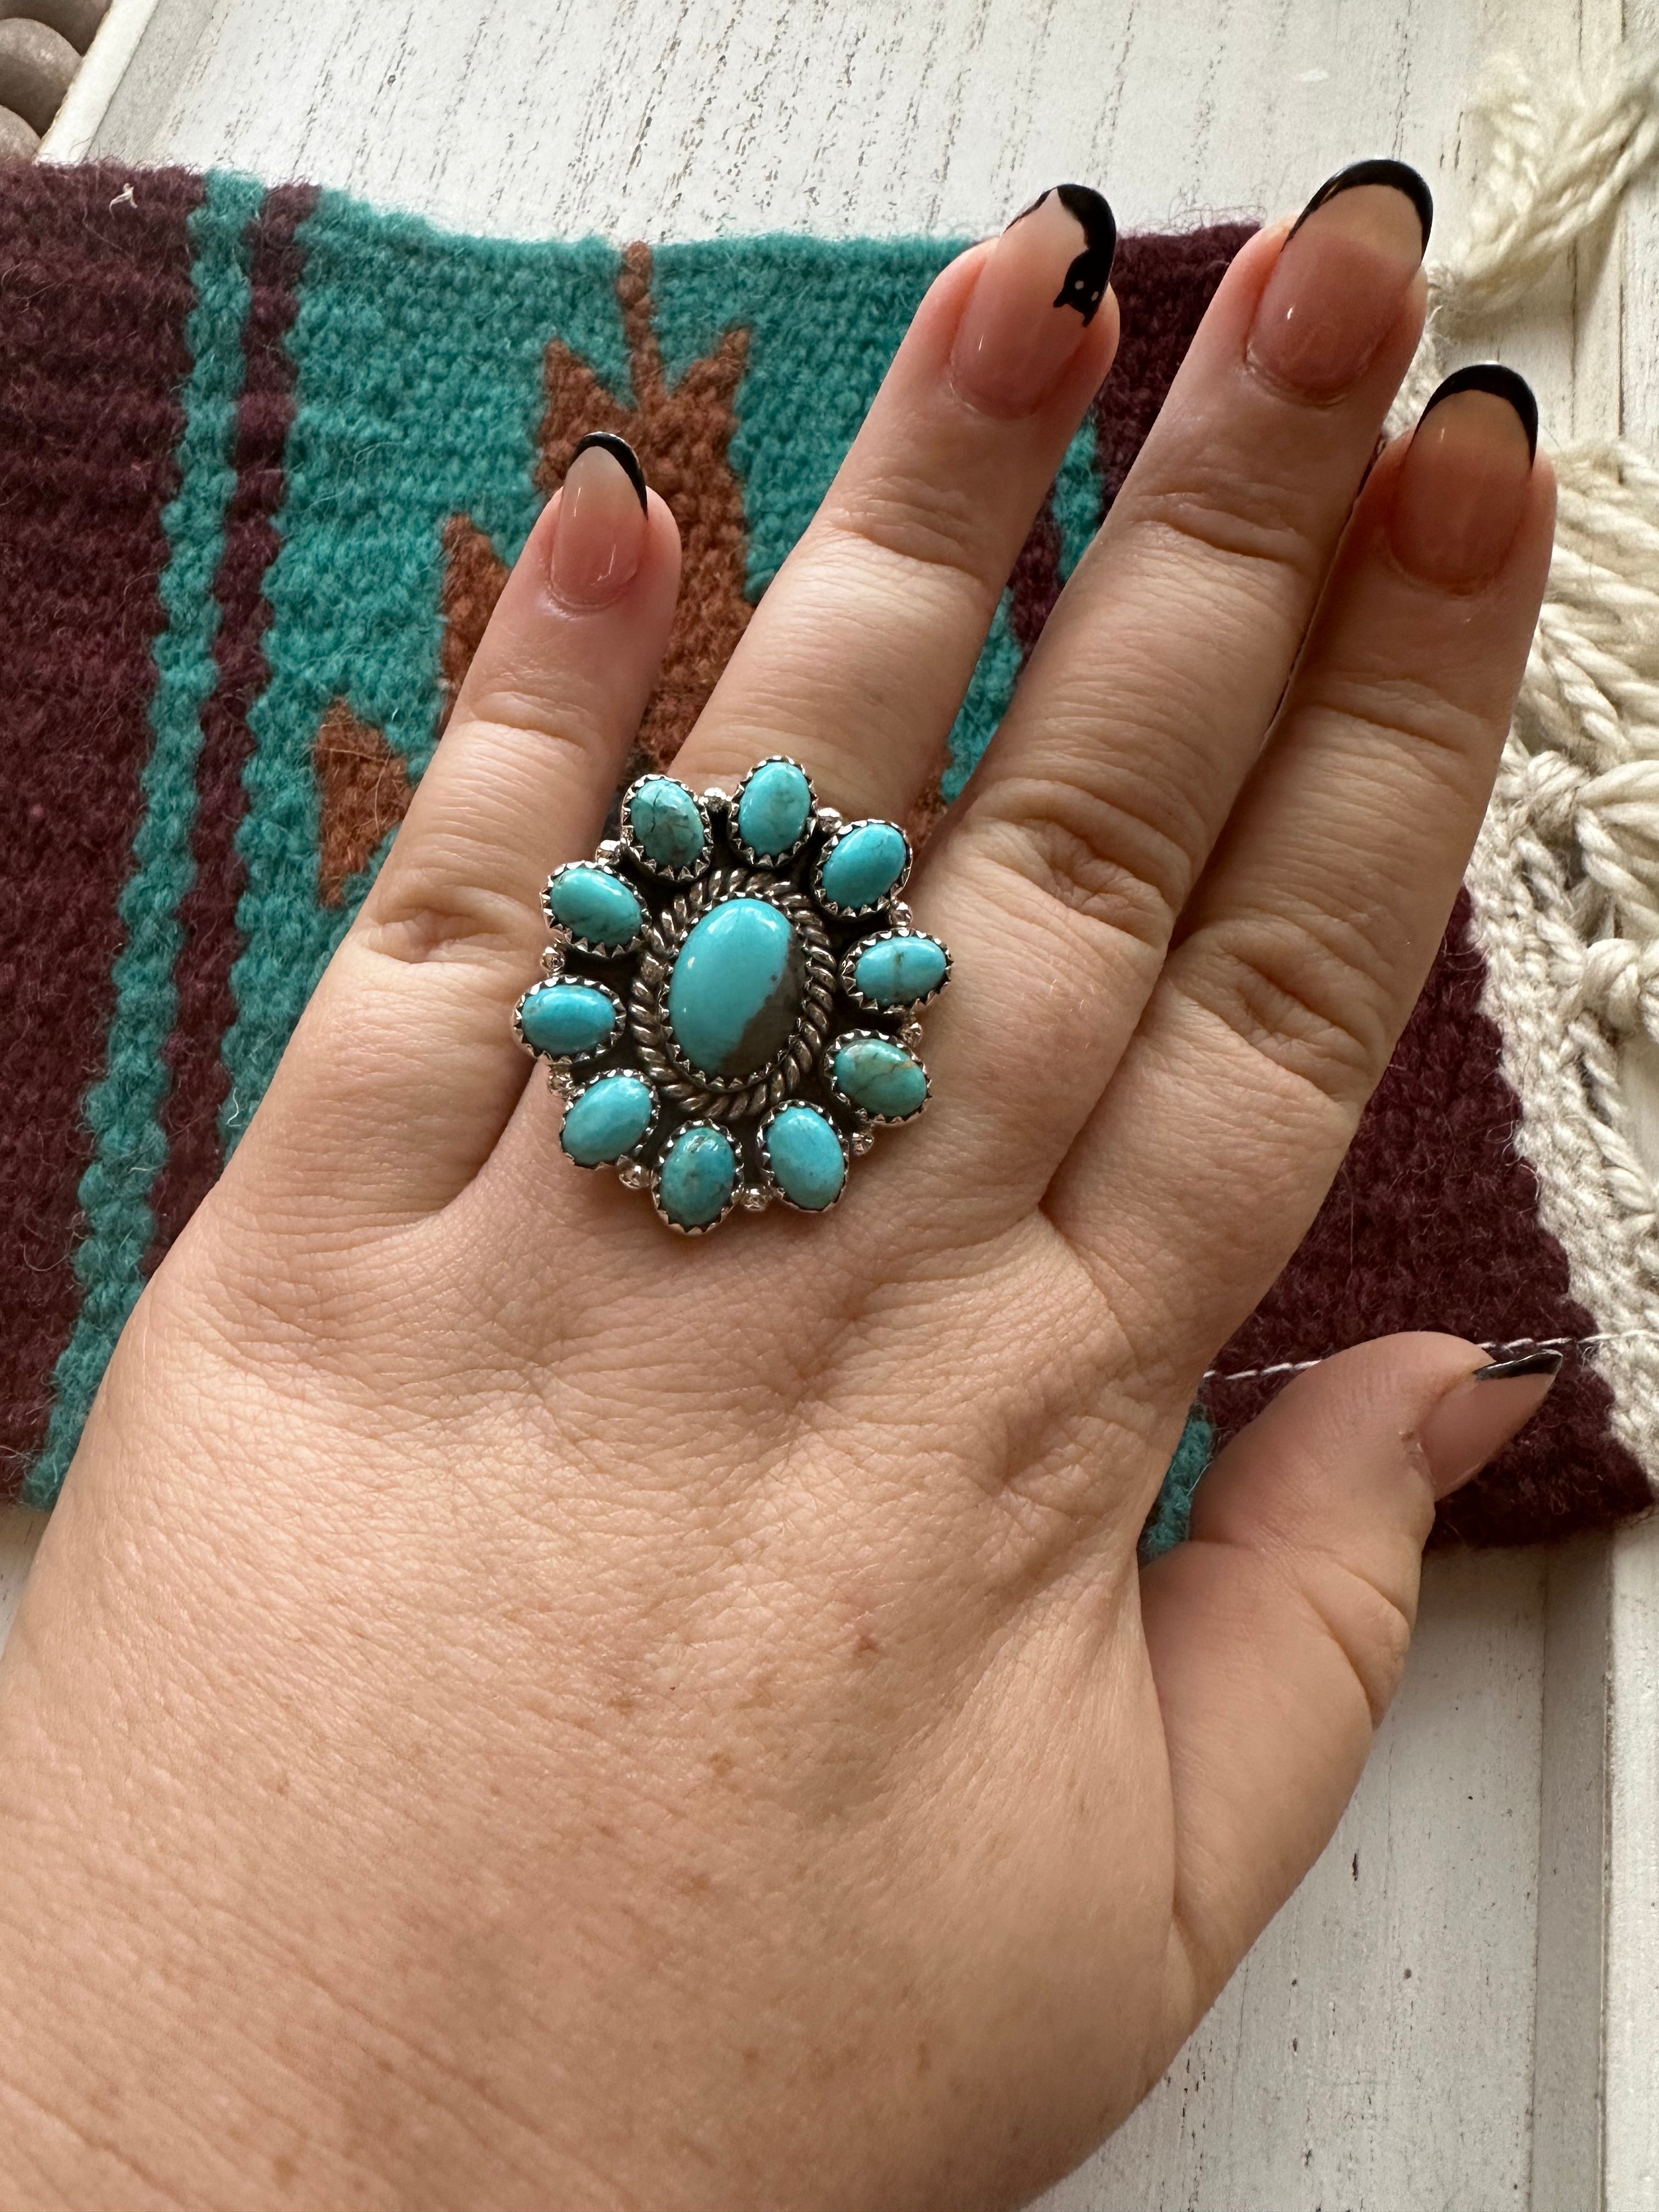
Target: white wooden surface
1457 2009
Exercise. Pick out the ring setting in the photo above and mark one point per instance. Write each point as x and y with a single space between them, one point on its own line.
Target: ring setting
728 1006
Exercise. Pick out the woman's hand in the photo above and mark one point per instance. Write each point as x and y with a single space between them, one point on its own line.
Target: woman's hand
515 1708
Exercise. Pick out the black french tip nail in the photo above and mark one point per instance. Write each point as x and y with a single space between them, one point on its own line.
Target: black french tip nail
1529 1363
1503 384
619 449
1398 175
1086 279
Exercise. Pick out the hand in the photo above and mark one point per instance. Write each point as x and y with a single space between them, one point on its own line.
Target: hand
515 1708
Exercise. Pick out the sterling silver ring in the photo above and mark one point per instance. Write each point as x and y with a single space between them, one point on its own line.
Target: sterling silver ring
728 1007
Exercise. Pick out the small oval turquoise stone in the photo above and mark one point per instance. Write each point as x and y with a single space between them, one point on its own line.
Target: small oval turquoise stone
881 1077
666 823
735 995
596 904
896 970
864 864
806 1158
698 1175
773 807
562 1018
607 1119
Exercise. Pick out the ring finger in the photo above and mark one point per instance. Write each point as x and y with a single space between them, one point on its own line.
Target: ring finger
1158 674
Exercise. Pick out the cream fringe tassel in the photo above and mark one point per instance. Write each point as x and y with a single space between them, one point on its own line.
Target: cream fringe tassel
1565 877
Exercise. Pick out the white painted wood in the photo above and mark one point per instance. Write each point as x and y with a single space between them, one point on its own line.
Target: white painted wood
1631 2149
1324 2077
106 62
1569 1991
699 118
1373 2051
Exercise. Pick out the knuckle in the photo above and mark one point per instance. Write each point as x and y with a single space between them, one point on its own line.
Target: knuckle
1368 1628
1249 524
902 514
1113 862
1307 994
1390 718
508 717
432 902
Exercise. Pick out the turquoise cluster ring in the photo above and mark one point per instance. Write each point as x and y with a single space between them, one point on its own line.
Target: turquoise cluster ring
729 1005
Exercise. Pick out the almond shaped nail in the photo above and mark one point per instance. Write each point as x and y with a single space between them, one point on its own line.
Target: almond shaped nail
599 533
1478 1416
1041 288
1465 480
1399 176
1341 279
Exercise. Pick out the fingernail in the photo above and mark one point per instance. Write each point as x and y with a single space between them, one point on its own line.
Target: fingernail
1462 486
599 535
1478 1416
1040 290
1340 277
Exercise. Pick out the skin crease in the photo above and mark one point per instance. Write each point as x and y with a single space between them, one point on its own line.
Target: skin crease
515 1709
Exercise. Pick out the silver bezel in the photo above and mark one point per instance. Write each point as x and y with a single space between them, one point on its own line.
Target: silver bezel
752 854
863 1112
826 904
581 1090
763 1149
589 945
703 1228
636 852
729 1098
558 1062
895 1007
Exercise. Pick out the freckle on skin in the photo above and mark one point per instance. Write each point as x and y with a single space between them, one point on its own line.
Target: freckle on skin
721 1762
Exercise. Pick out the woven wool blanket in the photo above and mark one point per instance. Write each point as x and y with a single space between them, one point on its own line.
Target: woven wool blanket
264 458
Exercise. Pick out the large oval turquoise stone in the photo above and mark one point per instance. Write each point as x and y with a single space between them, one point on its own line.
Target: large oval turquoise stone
864 864
667 823
895 971
881 1077
698 1175
806 1158
607 1119
773 806
564 1018
595 904
735 994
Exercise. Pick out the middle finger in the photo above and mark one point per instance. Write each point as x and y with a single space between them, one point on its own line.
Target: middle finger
857 656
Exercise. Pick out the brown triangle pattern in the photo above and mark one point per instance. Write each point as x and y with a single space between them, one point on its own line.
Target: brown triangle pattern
363 789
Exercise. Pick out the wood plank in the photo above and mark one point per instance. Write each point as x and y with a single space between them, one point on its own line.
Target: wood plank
705 118
1374 2049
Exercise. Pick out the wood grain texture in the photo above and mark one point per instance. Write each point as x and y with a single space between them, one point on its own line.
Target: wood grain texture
689 118
1373 2051
1391 2040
